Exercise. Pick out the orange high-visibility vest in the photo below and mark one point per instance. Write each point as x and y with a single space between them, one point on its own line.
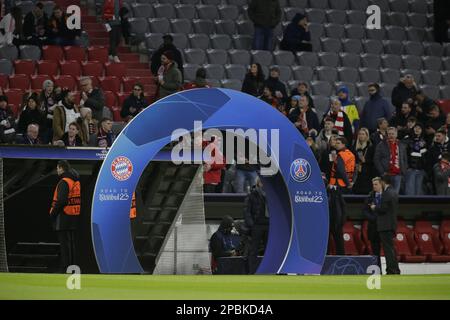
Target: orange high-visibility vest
349 162
133 206
74 198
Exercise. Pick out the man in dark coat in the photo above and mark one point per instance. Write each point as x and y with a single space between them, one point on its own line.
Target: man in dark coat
166 46
377 107
92 98
404 92
35 26
312 121
296 36
221 243
276 86
384 207
265 15
134 104
441 19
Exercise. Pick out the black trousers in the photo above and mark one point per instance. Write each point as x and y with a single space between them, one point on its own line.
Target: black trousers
67 249
259 234
114 39
337 218
386 239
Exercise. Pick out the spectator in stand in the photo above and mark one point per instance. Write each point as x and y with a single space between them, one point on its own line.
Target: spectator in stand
221 243
65 113
269 98
436 120
349 107
325 134
254 81
296 36
311 142
410 123
48 101
377 107
293 103
417 162
441 21
364 151
404 92
441 173
391 158
134 103
31 137
341 121
111 16
440 145
125 24
246 174
278 88
11 27
58 33
92 98
327 157
199 82
31 114
71 138
302 90
400 120
265 15
212 168
7 121
423 106
304 118
35 26
88 127
170 78
167 45
381 133
105 136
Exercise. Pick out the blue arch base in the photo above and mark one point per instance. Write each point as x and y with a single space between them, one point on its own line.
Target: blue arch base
297 200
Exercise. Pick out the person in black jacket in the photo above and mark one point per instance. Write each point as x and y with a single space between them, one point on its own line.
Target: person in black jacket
257 221
302 90
364 151
417 161
265 15
400 120
384 206
276 86
441 20
35 26
405 91
134 104
304 118
296 36
167 45
31 114
254 81
92 98
58 33
221 243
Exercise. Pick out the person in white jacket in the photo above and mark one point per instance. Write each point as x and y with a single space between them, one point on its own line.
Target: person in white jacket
8 26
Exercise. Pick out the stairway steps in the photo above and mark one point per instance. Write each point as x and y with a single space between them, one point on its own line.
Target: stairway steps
97 34
131 57
99 41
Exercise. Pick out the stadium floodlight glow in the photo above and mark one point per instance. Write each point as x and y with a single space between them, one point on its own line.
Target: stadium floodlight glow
296 197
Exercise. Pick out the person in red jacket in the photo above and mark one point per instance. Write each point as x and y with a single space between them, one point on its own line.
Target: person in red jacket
212 168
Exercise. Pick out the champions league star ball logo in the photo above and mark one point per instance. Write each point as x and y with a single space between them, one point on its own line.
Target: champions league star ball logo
300 170
121 168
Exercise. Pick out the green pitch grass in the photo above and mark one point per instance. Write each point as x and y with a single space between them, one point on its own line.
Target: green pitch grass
50 286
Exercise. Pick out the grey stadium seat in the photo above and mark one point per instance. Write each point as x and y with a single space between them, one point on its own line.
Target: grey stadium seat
153 40
360 5
362 88
399 5
336 16
138 26
321 4
431 77
205 11
239 57
235 71
376 34
161 25
412 62
217 56
212 2
350 86
181 26
348 74
398 19
285 72
322 104
333 30
433 49
446 63
297 3
199 40
354 31
185 11
315 15
195 56
373 46
326 74
214 71
289 13
316 30
6 67
419 6
284 58
349 59
338 4
262 57
321 88
25 6
446 49
220 41
413 48
303 73
370 60
369 75
234 84
431 91
393 47
172 2
245 27
445 92
230 12
392 61
189 1
309 59
415 34
328 59
445 77
383 4
205 26
356 17
189 71
390 75
396 33
353 46
164 10
143 10
331 45
180 40
360 103
415 73
417 20
242 42
225 26
30 52
215 83
386 89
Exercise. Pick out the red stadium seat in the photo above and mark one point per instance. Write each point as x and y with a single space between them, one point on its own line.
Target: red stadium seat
121 96
353 243
405 245
444 231
116 113
444 105
110 83
19 81
110 99
54 53
65 81
95 82
365 237
75 53
48 67
92 68
24 67
14 98
15 109
115 69
3 81
37 81
98 53
129 82
428 242
70 67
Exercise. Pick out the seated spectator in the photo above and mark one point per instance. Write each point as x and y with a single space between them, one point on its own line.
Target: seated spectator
302 90
381 133
423 106
293 103
325 134
221 242
404 92
417 162
349 106
134 103
7 121
254 81
276 86
296 36
65 113
365 171
10 25
35 26
92 98
71 138
441 173
436 120
341 122
441 144
377 107
304 118
212 169
88 127
269 98
167 45
31 136
105 136
58 33
169 76
48 102
31 114
400 119
199 82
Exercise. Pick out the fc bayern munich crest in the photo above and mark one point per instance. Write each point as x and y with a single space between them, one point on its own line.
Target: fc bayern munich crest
300 170
121 168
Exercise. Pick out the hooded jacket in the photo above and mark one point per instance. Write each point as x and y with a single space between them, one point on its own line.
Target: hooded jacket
294 35
265 13
401 94
375 108
349 107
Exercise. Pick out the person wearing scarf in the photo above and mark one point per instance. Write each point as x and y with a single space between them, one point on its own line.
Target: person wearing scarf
269 98
441 171
349 107
303 117
341 121
417 156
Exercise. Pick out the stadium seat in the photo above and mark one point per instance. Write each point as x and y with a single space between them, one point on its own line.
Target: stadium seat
129 82
362 88
245 27
373 46
92 68
23 67
390 75
20 81
6 67
336 16
262 57
115 69
70 67
205 11
444 232
445 92
74 53
214 71
161 25
239 57
369 60
235 71
9 52
110 98
391 61
316 16
65 81
196 56
54 53
285 72
284 58
317 30
320 4
234 84
396 33
321 88
138 27
354 31
303 73
445 77
230 12
110 83
177 26
199 41
225 27
331 45
433 49
353 243
142 10
412 62
49 67
322 104
3 81
37 81
185 11
14 97
348 74
220 41
215 56
398 19
369 75
153 40
335 31
386 89
376 34
326 74
121 96
351 60
432 63
205 26
29 52
166 10
393 47
98 53
405 246
328 59
417 20
242 42
428 242
353 46
356 17
431 77
430 90
189 71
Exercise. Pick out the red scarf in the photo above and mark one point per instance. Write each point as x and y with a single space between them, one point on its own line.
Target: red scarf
445 165
339 122
394 161
303 123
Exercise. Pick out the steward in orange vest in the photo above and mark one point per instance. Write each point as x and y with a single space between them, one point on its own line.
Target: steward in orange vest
133 206
343 169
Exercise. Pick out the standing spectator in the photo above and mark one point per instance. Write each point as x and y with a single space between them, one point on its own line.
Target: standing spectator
31 137
441 172
349 107
327 157
246 175
64 114
410 123
254 81
92 98
212 169
265 15
221 243
134 103
391 158
441 21
31 114
400 120
302 90
199 82
423 106
7 121
10 26
311 142
440 145
48 101
276 86
169 76
71 138
404 92
417 156
364 152
304 118
436 120
88 127
111 16
167 45
58 33
296 36
105 136
325 134
375 108
35 26
125 24
341 121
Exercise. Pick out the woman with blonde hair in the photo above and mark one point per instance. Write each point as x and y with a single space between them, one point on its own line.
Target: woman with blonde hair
364 151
